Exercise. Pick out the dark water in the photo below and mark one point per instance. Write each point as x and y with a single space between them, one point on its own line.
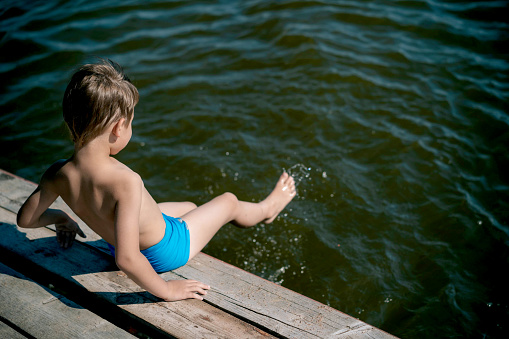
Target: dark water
393 115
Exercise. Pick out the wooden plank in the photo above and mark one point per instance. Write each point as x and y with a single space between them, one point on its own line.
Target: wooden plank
288 313
85 270
7 331
258 301
43 313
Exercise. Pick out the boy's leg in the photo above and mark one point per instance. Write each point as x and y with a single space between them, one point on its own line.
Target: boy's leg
206 220
176 209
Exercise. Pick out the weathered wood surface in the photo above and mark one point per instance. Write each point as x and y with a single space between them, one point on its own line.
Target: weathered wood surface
27 305
236 295
7 331
84 270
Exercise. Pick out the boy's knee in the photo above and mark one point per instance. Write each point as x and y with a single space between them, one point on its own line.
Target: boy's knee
230 198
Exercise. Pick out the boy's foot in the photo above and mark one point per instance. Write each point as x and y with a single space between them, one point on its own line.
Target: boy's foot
282 194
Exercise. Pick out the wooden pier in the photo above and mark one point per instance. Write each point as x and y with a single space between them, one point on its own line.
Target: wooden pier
49 292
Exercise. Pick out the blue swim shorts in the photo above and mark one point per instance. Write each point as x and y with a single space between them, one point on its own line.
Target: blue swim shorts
172 251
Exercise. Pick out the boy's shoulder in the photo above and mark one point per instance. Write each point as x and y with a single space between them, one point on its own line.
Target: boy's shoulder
51 177
54 170
125 175
117 174
123 180
113 174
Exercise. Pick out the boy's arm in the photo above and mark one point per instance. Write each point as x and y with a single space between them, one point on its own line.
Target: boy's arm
35 212
127 248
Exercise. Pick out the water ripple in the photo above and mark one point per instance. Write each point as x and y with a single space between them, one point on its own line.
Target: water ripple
397 111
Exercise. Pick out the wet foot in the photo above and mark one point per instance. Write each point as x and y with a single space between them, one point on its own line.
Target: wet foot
282 194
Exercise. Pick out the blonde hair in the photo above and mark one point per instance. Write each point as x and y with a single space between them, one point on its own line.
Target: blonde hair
97 95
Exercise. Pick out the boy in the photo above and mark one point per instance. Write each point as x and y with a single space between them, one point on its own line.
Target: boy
111 199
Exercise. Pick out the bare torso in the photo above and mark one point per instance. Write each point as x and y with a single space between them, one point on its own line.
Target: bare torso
90 191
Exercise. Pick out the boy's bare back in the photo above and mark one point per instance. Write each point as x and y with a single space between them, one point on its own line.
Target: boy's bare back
93 188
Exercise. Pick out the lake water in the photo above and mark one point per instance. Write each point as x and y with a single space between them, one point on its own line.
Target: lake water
393 116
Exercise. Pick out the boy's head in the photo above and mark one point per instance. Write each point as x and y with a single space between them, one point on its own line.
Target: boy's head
97 96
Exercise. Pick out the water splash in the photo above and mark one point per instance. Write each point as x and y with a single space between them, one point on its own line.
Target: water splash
299 172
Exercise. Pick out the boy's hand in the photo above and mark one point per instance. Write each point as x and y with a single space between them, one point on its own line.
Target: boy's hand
185 289
66 233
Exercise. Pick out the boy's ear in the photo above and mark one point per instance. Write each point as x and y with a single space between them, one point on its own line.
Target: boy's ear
117 128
